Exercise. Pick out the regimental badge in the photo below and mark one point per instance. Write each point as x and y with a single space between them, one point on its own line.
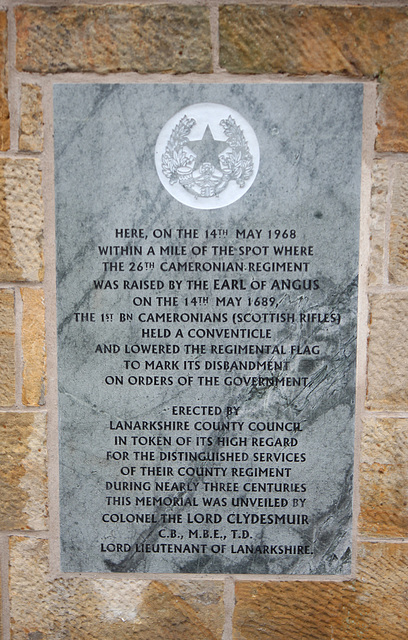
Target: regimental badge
207 156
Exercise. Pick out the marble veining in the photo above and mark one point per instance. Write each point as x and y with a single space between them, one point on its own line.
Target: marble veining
294 235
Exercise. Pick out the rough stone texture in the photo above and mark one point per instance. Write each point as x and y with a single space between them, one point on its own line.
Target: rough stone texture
383 478
379 195
4 108
33 342
387 371
99 608
21 220
348 41
31 134
112 38
398 248
373 607
7 345
23 473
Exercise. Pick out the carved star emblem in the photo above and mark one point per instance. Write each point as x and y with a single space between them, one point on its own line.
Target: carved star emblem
208 149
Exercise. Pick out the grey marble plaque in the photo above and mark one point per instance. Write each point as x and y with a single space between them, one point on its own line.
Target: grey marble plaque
207 262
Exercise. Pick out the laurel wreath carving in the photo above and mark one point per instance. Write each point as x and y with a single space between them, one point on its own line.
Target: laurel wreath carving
175 155
236 164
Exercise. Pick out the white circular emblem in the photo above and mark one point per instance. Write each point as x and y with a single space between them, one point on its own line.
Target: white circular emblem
207 156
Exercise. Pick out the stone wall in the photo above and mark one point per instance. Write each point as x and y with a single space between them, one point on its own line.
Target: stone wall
47 42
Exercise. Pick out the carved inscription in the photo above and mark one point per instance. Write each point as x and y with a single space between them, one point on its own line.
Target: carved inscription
206 358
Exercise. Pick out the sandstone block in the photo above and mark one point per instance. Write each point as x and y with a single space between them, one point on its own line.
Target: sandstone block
393 96
7 346
373 606
4 108
383 478
23 473
398 248
33 342
31 134
113 38
21 220
358 42
387 373
379 195
102 608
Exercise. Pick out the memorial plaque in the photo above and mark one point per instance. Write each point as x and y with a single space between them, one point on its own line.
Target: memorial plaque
207 264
